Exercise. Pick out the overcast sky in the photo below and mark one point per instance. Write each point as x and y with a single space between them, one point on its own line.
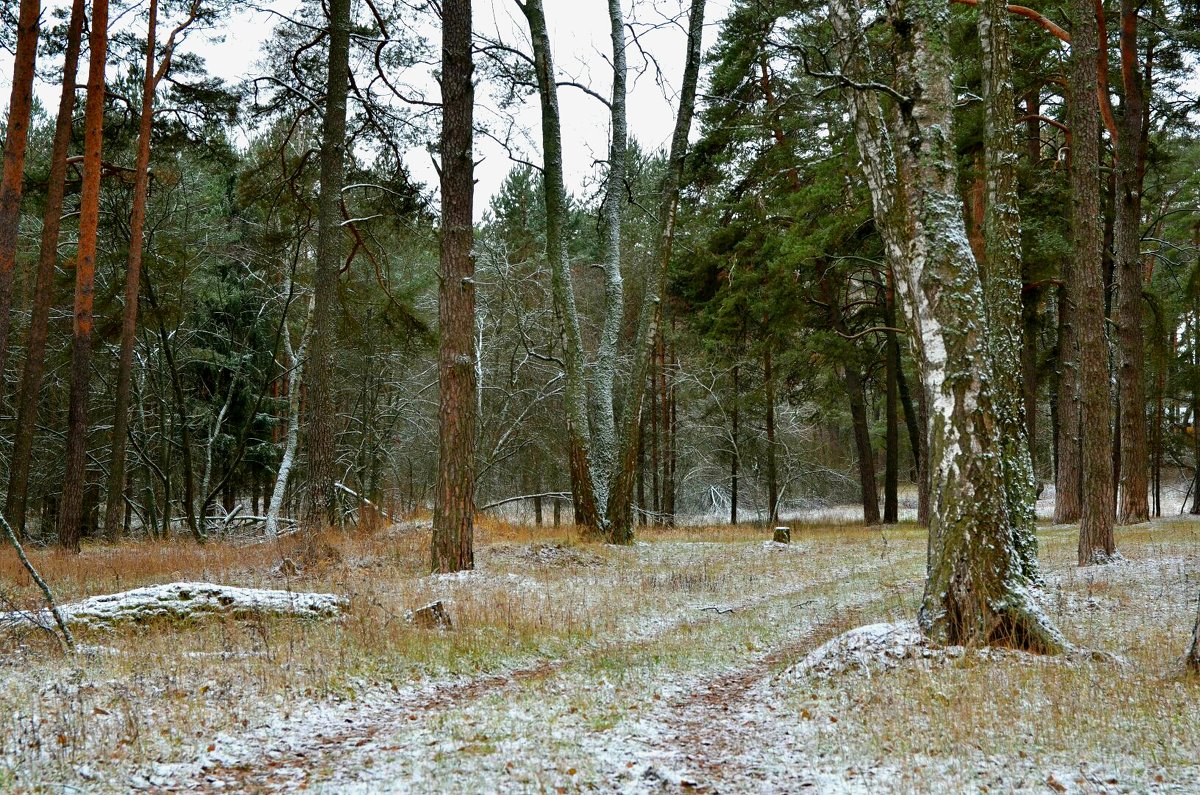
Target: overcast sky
579 38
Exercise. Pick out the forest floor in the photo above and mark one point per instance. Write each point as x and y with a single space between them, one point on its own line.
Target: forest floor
665 666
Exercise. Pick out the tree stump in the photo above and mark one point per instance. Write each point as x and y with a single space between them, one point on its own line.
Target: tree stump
432 616
783 535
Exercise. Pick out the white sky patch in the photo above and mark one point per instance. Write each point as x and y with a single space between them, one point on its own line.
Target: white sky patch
582 51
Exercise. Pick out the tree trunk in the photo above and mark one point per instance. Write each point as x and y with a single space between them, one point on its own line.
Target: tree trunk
295 364
454 506
734 456
1085 291
70 512
651 313
1068 466
1193 655
43 295
975 592
20 104
1029 374
862 444
133 270
772 474
891 467
321 503
1001 277
1130 170
604 433
583 490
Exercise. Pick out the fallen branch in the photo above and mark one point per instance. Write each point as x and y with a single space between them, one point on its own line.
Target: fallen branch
67 639
562 495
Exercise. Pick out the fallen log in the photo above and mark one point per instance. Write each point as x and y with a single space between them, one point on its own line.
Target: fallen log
184 601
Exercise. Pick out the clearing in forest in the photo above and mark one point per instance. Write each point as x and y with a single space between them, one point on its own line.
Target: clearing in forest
669 665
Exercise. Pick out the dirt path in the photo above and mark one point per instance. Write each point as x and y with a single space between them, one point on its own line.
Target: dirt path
364 743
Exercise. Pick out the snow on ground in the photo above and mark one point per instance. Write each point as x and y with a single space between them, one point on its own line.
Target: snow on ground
697 666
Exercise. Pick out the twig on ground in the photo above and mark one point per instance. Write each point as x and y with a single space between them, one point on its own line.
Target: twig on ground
67 639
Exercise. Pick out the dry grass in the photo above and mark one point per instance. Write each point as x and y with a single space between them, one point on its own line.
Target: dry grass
629 616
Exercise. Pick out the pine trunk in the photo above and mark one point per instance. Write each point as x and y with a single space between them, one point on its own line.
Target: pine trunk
454 505
1085 291
16 502
20 105
772 473
1130 170
70 512
321 503
1068 467
133 269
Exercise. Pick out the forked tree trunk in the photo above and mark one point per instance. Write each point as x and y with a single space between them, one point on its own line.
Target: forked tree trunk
17 499
20 104
1131 372
1085 291
976 592
321 500
1001 275
651 313
70 512
454 504
603 496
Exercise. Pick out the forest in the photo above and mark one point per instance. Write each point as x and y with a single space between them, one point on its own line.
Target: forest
631 396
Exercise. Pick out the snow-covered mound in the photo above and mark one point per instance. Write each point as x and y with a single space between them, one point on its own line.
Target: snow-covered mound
181 601
867 648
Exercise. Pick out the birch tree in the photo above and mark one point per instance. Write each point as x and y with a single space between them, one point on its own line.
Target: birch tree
976 591
294 362
1001 276
603 457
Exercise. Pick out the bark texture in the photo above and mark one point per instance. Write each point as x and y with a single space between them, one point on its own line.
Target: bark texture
32 374
603 488
20 104
454 504
321 503
1002 283
976 592
1085 291
115 505
1131 371
70 512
